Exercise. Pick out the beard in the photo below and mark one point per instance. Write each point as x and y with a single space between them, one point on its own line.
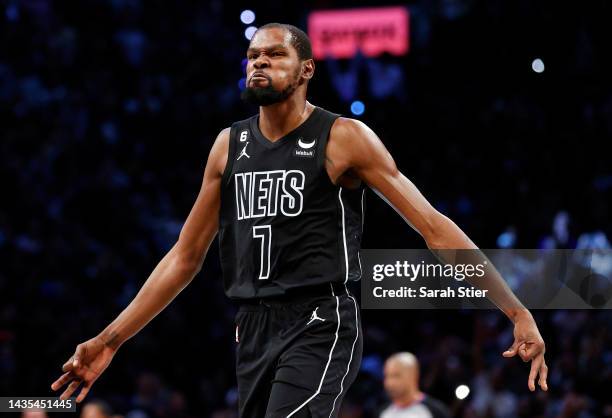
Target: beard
265 96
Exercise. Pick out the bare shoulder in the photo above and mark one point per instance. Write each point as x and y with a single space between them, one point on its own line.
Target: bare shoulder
217 159
352 139
223 138
348 129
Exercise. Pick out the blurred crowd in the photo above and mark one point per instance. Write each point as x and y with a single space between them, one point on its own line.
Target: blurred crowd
109 109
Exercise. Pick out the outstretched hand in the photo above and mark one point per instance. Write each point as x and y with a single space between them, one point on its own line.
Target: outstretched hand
88 362
529 345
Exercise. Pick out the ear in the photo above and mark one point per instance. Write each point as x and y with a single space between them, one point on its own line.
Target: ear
308 69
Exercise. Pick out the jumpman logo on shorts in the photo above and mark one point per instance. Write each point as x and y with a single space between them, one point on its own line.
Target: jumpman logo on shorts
315 316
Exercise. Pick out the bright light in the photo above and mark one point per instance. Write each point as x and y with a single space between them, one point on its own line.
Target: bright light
506 239
537 65
249 32
247 17
357 108
462 391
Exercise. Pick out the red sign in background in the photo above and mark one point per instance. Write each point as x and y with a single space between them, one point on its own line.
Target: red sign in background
340 33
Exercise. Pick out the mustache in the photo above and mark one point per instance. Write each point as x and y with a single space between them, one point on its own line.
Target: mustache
262 74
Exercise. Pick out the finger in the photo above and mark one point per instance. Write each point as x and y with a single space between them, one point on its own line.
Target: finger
543 376
511 352
523 353
70 389
84 392
68 365
78 355
533 349
535 367
63 379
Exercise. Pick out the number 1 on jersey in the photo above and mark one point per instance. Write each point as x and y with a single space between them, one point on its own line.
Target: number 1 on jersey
264 232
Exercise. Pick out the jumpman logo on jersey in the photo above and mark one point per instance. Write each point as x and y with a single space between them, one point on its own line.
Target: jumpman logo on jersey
315 316
243 153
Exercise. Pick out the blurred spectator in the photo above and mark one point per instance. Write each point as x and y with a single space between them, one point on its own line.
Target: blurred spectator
33 413
97 409
402 387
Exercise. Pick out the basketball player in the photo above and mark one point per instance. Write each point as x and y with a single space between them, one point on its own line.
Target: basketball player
284 189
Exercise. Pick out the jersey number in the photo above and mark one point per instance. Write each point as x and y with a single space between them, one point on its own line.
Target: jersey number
264 232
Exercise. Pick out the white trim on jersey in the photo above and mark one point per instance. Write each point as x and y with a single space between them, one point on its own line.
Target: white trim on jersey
362 220
331 351
362 214
348 367
338 326
346 264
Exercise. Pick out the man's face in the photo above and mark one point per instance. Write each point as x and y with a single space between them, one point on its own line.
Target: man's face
397 379
274 69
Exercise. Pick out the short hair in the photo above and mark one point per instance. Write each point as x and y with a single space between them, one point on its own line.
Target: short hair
299 40
103 406
405 358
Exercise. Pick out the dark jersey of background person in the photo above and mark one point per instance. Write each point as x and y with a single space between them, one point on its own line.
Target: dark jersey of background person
428 407
283 224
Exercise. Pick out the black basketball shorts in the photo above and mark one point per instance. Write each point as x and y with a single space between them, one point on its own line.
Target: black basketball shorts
297 358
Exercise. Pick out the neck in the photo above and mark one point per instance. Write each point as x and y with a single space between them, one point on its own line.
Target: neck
278 119
409 398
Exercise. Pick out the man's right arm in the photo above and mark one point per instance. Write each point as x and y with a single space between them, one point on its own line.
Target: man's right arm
184 260
171 275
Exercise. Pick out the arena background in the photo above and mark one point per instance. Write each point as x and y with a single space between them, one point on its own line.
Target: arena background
109 109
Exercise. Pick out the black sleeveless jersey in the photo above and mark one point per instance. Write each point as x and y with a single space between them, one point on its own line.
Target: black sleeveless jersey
283 224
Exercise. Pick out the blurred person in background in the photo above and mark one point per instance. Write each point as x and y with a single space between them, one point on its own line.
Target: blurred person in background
97 408
401 380
34 413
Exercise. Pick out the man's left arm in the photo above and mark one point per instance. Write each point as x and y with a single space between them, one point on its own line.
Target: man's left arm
356 150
